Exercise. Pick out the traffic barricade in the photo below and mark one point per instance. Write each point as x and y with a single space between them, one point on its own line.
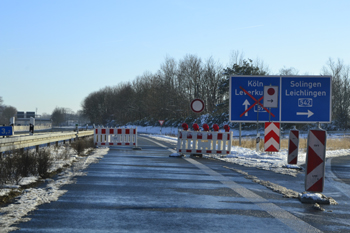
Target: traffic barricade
115 136
202 142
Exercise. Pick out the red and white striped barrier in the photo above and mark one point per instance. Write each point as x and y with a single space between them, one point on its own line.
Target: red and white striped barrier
293 146
272 137
197 142
115 136
315 160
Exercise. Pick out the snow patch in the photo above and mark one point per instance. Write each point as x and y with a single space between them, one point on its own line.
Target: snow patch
32 197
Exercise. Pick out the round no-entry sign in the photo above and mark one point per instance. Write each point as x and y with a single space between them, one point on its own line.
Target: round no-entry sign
271 91
197 105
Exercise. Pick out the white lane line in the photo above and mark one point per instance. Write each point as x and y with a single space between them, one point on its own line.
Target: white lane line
161 145
335 181
277 212
274 210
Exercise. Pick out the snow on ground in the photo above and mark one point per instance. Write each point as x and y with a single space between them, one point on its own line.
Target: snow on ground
32 197
276 161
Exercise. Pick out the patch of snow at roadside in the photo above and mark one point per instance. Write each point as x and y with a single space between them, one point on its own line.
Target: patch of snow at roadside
313 196
291 166
28 180
276 161
175 155
163 138
32 197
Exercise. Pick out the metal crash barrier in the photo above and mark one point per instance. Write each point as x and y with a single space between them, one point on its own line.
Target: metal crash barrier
193 142
115 136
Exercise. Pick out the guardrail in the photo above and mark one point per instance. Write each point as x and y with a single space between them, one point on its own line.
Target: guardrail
25 128
19 142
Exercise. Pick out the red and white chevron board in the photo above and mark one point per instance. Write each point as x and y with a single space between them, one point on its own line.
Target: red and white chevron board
272 136
293 146
315 160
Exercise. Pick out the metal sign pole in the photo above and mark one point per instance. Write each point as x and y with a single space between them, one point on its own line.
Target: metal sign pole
257 129
240 133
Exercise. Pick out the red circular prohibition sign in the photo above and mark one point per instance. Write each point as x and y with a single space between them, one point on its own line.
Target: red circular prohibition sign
271 91
197 105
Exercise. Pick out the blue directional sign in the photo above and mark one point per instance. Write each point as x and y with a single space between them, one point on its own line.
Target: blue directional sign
246 99
6 131
306 99
302 99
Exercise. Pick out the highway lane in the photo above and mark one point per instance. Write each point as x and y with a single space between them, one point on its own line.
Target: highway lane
341 168
148 191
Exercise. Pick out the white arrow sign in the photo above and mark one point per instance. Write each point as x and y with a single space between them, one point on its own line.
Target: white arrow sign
246 104
308 113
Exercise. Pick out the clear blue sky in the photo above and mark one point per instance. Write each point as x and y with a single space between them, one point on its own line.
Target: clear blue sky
55 53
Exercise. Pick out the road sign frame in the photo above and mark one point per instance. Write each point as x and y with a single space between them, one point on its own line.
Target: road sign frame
272 138
196 102
313 92
6 131
240 89
275 97
293 146
324 103
315 160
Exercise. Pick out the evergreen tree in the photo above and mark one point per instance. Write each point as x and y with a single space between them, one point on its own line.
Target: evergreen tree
245 68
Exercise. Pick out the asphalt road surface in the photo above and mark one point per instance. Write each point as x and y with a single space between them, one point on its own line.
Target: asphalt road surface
148 191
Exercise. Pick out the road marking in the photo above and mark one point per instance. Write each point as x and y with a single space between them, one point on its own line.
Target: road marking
277 212
274 210
335 181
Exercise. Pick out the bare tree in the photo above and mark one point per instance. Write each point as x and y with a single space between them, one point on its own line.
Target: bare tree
236 58
288 71
165 94
212 76
7 113
58 116
340 91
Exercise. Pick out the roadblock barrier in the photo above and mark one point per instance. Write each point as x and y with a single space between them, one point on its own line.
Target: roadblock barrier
115 136
315 160
293 146
201 142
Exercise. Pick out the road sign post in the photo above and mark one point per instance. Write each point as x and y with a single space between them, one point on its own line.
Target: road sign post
272 136
197 105
315 160
6 131
293 146
161 122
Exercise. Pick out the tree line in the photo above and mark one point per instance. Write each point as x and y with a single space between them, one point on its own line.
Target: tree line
6 112
167 93
340 92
